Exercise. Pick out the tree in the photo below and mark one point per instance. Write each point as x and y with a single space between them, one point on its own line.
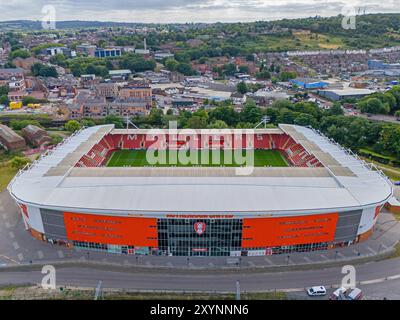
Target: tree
136 63
87 123
304 119
287 75
282 103
264 75
19 162
4 90
4 100
336 110
371 105
197 122
185 69
72 126
242 87
156 117
20 124
250 113
226 114
20 53
218 124
171 64
118 122
39 69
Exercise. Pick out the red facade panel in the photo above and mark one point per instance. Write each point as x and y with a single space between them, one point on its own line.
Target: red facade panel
270 232
111 230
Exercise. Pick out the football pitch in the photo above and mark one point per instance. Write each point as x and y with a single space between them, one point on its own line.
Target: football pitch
198 158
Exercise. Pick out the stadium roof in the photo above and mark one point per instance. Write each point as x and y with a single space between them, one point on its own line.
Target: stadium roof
344 183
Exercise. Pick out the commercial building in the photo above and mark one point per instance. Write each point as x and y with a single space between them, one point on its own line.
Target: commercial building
349 93
107 52
307 83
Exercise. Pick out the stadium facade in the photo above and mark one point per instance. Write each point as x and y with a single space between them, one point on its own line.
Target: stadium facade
327 197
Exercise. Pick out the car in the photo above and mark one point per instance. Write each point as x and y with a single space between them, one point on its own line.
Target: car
355 294
338 294
316 291
397 183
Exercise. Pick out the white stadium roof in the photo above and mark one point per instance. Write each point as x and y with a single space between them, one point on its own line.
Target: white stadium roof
344 183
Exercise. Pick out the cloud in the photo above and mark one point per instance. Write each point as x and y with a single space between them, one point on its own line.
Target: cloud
185 10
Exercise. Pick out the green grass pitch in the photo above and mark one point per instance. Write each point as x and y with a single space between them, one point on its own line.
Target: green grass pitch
205 158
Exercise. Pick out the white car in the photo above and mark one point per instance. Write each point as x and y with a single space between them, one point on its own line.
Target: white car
316 291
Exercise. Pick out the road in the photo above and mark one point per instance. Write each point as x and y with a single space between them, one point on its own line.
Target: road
374 272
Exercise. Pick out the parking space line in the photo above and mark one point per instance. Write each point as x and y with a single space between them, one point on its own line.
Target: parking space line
20 256
15 245
268 261
40 254
370 249
307 259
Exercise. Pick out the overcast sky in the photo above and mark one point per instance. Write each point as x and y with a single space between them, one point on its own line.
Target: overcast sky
165 11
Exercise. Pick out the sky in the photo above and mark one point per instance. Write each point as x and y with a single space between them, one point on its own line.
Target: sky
181 11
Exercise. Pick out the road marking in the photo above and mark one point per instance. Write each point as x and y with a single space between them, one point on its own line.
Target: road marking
268 261
15 245
11 234
324 257
251 263
169 264
372 250
211 264
60 254
372 281
307 259
40 254
341 255
8 258
20 256
148 263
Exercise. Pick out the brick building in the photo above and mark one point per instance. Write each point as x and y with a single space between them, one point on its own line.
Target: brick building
10 140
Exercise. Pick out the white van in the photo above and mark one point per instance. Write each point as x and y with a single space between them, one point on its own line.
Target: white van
316 291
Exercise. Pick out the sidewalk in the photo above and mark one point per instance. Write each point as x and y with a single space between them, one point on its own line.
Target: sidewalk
17 247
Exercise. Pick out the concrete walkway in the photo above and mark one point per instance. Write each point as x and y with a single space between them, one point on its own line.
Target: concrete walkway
17 247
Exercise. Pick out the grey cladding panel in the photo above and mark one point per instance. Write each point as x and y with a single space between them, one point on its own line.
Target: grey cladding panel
347 225
53 223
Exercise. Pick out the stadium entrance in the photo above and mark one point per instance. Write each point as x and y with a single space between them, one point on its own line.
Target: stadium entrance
192 237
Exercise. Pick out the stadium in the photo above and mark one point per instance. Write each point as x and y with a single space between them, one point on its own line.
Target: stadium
100 189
